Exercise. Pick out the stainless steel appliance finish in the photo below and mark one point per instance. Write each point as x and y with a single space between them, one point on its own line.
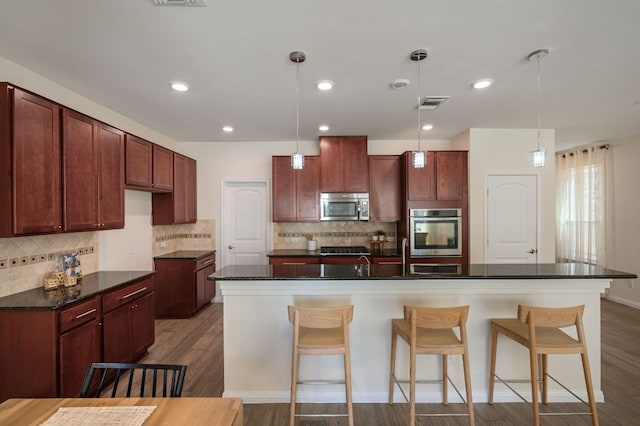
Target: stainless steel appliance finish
435 232
344 206
435 268
344 251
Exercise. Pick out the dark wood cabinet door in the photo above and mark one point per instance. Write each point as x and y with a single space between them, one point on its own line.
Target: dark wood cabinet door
385 197
451 170
201 288
36 167
284 189
141 324
116 335
138 162
162 168
209 286
307 192
179 190
110 177
331 164
355 164
78 349
420 183
190 191
79 171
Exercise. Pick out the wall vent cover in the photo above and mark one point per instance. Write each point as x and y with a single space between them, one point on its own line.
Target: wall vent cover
432 102
178 2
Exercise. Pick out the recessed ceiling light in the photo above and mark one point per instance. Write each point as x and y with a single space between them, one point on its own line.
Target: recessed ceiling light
323 127
227 129
482 84
324 85
179 86
427 127
399 83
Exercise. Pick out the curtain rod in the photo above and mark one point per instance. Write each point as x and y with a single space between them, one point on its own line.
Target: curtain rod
585 150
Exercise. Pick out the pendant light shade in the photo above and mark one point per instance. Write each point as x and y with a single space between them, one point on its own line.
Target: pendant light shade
538 156
297 158
419 158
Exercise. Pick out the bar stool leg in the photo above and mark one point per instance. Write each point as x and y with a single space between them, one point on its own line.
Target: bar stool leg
533 359
467 385
445 373
347 383
412 384
492 372
294 380
392 369
587 380
545 381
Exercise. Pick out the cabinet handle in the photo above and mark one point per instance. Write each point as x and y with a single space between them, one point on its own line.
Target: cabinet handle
89 312
209 261
389 263
140 290
293 263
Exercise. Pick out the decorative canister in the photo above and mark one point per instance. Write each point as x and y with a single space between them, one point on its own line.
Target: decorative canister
51 283
70 281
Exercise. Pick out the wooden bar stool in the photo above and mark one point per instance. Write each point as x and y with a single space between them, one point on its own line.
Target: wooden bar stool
321 331
538 329
431 331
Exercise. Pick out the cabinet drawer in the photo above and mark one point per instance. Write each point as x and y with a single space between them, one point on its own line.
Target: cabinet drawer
205 261
79 314
126 294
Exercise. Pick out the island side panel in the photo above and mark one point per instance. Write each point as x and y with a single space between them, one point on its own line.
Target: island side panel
257 335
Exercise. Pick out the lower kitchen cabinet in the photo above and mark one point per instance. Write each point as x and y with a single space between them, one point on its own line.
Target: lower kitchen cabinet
128 328
181 282
300 260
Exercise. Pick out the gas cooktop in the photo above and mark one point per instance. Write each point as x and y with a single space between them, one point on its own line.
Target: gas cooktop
344 250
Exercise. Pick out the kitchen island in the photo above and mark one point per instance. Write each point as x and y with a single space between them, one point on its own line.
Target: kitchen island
258 335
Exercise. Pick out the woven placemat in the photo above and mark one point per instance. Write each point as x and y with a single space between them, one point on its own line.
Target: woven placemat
104 416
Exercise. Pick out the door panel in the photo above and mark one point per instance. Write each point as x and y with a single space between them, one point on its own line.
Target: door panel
512 219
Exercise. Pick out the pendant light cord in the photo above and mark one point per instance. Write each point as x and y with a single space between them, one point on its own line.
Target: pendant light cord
297 105
538 61
419 92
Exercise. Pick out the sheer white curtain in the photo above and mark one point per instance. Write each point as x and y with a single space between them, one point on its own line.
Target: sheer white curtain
581 206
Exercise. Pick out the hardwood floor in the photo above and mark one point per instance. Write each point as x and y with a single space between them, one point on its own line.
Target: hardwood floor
198 343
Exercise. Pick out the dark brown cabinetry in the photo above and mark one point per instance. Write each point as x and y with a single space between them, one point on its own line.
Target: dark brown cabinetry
181 281
296 193
387 260
179 206
444 177
128 326
385 196
148 167
294 260
30 186
344 166
93 173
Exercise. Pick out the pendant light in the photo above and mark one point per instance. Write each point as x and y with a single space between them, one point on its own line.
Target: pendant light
539 156
419 157
297 158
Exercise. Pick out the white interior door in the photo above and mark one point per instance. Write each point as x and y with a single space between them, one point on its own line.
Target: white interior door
512 219
244 223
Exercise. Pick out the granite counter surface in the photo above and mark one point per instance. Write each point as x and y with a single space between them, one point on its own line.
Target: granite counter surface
398 272
89 286
186 254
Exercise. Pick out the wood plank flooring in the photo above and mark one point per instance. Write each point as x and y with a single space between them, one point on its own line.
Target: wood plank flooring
197 342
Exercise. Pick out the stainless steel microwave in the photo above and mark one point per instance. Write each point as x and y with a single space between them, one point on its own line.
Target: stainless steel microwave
344 206
435 232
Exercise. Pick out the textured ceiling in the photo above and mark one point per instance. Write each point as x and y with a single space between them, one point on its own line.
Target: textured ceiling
234 54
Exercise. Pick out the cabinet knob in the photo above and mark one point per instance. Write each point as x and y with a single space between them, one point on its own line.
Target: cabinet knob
532 251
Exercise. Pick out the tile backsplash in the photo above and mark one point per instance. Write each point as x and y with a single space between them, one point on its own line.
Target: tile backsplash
25 261
190 236
292 235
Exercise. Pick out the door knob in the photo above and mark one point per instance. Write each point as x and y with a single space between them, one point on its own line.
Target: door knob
532 251
230 247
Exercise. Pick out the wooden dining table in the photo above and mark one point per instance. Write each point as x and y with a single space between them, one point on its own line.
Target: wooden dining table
168 411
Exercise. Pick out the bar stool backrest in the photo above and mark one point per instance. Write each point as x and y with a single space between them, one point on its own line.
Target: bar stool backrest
551 317
437 317
333 317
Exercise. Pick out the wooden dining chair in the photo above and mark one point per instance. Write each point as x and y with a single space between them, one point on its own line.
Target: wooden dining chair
159 377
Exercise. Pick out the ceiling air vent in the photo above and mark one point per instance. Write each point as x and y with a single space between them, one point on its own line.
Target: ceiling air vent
432 102
178 2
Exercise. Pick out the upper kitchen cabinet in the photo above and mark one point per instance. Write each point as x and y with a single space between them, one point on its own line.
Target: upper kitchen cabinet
444 177
180 205
296 193
148 167
30 184
93 173
385 196
344 165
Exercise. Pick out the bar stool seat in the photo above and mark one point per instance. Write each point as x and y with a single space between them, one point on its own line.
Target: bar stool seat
539 330
431 331
320 331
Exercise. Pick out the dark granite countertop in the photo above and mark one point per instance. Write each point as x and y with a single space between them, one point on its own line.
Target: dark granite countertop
186 254
316 253
397 272
90 285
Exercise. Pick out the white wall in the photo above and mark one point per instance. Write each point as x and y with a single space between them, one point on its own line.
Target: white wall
503 151
624 232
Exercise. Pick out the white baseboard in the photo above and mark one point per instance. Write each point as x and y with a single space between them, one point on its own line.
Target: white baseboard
623 301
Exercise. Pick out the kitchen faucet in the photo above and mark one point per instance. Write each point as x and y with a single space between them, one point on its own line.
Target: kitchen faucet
405 243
